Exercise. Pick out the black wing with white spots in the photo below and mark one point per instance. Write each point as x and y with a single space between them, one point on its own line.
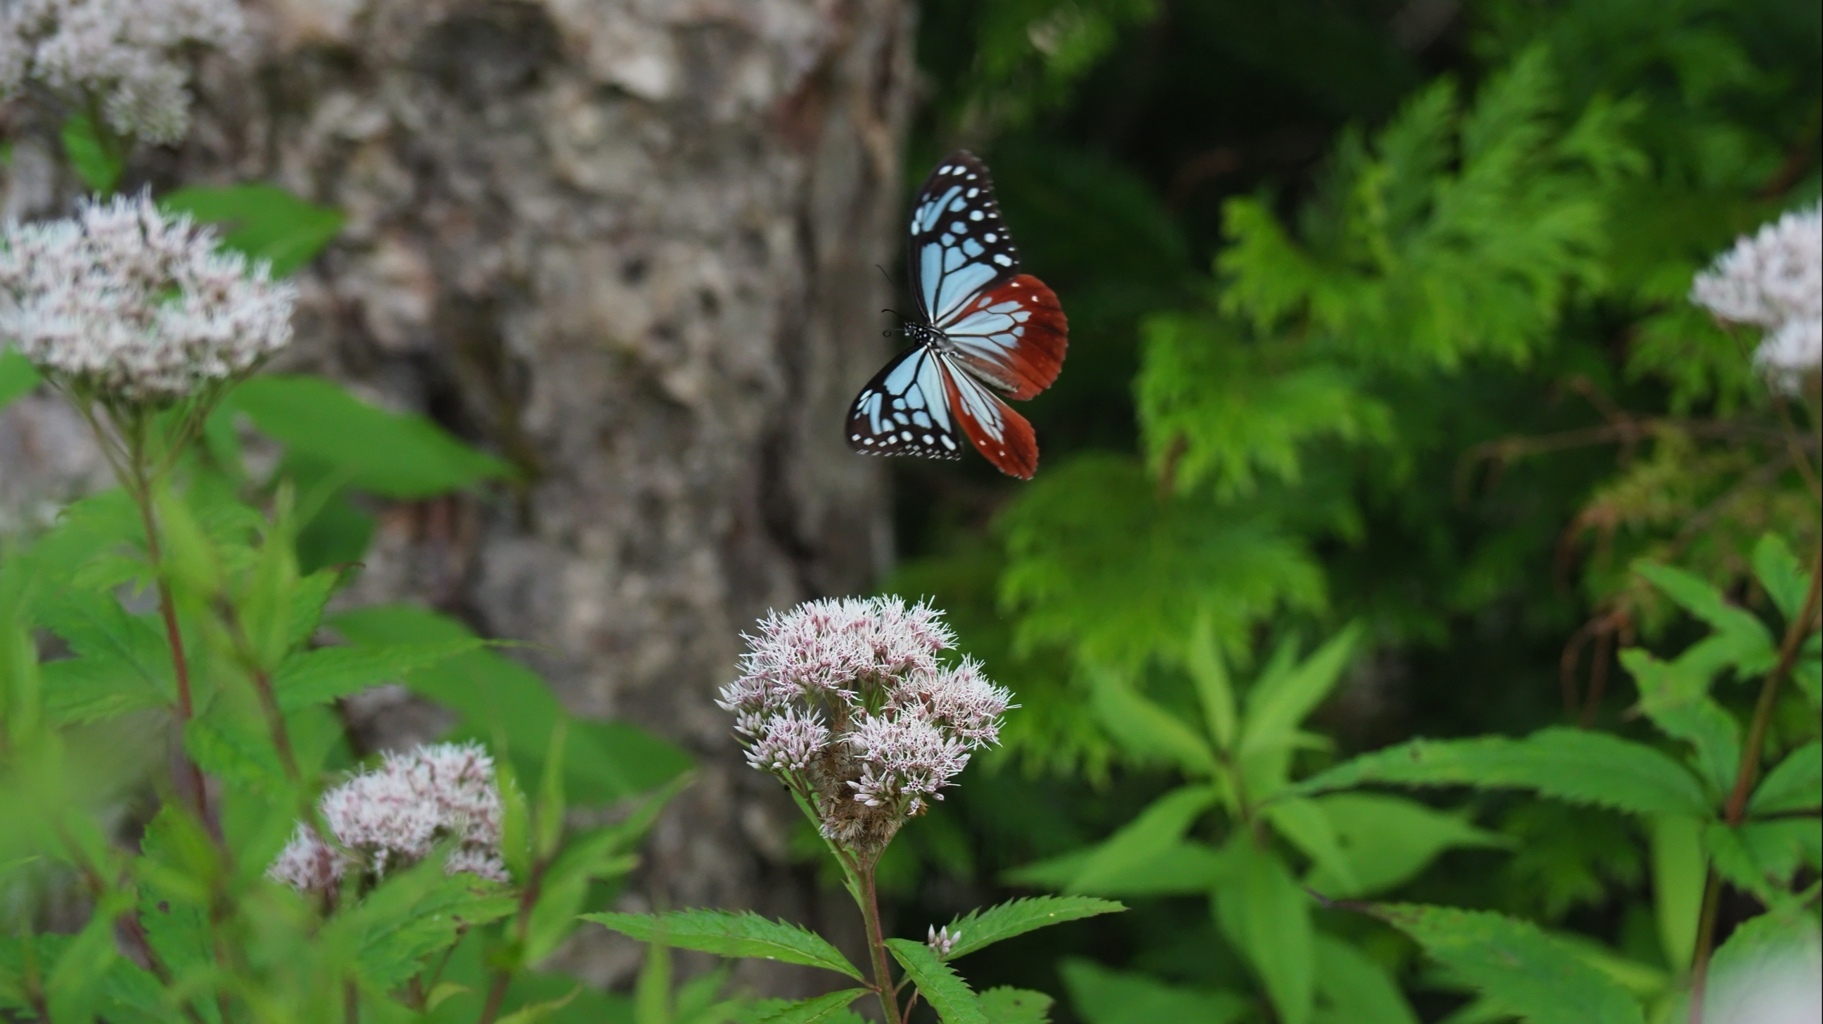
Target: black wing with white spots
959 247
905 410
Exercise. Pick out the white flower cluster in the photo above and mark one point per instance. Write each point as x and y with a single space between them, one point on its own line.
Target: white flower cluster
132 304
120 54
846 698
395 815
1774 280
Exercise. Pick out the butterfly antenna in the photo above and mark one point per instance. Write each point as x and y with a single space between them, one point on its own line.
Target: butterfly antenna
890 331
883 273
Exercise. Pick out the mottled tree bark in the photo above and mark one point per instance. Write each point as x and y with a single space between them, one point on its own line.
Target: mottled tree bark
630 247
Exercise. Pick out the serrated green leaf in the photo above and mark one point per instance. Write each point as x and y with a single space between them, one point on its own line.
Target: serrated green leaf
981 928
328 673
1355 988
940 986
1750 644
234 754
1573 765
1006 1005
1265 915
1794 784
814 1010
411 916
723 933
1103 996
1305 825
17 376
1518 968
1280 701
542 1010
122 664
389 454
263 221
1675 695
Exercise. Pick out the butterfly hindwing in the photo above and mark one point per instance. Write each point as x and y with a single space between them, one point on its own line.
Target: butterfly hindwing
906 410
1013 336
959 247
1001 435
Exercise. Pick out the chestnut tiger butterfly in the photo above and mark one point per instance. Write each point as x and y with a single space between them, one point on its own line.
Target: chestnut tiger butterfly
982 330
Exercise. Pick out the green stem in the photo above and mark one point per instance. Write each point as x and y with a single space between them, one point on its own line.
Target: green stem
876 941
1735 810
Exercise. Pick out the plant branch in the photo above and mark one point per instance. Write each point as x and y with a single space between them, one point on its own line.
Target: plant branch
876 941
1735 810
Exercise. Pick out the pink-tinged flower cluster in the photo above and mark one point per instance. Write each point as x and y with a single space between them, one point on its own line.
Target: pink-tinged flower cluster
395 815
1774 280
847 701
135 305
124 56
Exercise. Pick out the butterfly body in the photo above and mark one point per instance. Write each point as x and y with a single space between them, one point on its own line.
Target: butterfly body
983 330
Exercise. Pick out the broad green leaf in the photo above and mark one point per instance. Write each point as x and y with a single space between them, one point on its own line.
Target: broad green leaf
263 221
1778 571
497 698
231 752
328 673
1794 784
815 1010
1678 871
390 454
1266 916
1303 822
724 933
1006 1005
544 1010
1749 644
17 376
1388 840
411 916
1149 732
1129 855
1103 996
1574 765
981 928
1675 695
94 153
1179 868
1516 966
947 993
1354 989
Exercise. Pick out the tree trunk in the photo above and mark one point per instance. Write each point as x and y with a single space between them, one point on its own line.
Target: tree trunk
630 247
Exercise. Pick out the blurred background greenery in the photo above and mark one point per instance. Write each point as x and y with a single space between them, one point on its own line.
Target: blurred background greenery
1378 314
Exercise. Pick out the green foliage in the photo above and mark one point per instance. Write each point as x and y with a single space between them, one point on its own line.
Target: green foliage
732 935
263 221
940 986
93 152
1104 996
17 376
981 928
1520 970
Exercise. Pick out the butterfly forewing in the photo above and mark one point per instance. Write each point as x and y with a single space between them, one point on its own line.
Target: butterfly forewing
959 247
905 410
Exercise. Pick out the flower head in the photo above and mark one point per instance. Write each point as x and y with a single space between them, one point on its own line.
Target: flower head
122 55
137 305
847 701
942 941
1774 280
395 815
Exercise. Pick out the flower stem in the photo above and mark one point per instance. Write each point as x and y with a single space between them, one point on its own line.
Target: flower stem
876 940
188 776
1735 811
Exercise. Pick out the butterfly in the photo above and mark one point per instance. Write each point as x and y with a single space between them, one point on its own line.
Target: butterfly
983 330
